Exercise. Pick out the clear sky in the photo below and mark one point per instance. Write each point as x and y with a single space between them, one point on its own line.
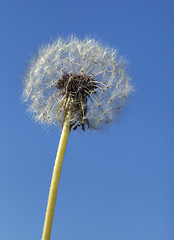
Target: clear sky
116 184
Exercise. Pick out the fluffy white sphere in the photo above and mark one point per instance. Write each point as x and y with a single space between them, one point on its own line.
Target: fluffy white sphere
80 78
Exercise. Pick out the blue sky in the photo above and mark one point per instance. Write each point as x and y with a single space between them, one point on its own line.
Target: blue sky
115 184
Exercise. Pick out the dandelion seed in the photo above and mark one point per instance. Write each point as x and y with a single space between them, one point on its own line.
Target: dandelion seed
74 84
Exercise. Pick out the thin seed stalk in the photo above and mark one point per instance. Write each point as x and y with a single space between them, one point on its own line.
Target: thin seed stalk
55 182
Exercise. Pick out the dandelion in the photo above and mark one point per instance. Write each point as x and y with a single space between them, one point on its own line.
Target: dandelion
74 84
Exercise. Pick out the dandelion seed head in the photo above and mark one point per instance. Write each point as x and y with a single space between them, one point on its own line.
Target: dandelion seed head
78 78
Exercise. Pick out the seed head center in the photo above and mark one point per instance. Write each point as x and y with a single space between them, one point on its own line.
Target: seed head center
76 89
76 85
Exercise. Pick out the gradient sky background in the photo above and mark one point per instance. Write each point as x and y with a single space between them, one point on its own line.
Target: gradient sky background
116 184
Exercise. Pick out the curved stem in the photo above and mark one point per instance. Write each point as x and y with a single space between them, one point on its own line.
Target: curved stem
55 182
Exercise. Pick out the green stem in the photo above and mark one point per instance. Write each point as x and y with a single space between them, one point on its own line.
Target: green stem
54 183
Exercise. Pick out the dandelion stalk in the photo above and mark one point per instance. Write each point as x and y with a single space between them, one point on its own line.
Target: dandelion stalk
55 182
